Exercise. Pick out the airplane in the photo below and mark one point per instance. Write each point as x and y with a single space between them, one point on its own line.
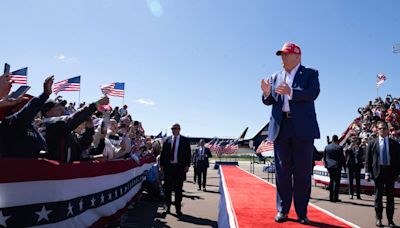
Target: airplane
195 140
242 142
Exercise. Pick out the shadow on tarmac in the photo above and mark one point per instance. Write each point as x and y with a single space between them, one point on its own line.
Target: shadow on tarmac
197 221
144 215
314 200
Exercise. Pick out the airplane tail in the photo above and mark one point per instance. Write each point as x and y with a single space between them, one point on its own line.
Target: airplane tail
241 137
262 134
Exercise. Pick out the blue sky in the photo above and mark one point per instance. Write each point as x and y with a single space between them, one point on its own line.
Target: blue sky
200 63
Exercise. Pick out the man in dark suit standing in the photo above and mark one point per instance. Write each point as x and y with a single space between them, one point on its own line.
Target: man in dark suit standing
174 162
334 160
293 127
202 154
354 163
382 163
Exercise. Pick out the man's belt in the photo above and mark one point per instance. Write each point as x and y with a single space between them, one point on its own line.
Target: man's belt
287 115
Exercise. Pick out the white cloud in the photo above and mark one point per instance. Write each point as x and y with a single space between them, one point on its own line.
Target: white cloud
145 102
65 58
155 7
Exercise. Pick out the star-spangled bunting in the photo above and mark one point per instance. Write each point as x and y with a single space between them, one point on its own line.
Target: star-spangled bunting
59 211
43 214
3 219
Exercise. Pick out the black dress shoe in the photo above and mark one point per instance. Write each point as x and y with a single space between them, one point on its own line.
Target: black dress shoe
281 217
304 220
168 211
379 223
351 197
391 224
179 213
359 197
336 200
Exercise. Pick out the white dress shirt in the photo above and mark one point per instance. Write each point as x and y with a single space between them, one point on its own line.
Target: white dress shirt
175 161
287 77
381 150
201 153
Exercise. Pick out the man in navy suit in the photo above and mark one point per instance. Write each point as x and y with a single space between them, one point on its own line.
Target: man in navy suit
201 160
174 162
382 164
334 161
293 127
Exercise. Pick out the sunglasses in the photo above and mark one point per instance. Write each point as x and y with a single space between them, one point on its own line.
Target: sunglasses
174 128
382 128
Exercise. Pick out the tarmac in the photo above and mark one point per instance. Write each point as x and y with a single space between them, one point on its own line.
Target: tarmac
200 208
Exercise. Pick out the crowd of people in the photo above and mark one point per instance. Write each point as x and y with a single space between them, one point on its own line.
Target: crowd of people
55 129
33 127
372 143
364 128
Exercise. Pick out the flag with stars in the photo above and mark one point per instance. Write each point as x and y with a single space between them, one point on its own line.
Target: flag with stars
67 195
115 89
72 84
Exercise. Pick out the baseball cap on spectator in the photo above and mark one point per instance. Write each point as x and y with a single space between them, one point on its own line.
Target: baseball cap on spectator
104 108
50 104
289 48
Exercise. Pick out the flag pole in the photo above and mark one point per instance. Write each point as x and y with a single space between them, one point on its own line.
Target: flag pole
79 98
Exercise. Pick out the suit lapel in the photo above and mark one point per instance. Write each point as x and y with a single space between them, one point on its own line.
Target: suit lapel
377 149
297 76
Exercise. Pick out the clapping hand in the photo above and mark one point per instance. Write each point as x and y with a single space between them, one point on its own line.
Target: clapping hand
283 89
266 87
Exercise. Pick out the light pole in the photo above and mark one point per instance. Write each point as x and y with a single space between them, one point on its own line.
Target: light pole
251 146
396 48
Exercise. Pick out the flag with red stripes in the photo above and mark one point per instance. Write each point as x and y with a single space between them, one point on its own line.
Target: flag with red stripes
72 84
380 79
265 147
20 76
115 89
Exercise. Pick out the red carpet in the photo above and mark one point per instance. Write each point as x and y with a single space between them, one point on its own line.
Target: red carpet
253 202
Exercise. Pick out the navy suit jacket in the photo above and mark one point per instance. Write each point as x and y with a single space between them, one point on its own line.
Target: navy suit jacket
333 156
305 90
184 152
372 158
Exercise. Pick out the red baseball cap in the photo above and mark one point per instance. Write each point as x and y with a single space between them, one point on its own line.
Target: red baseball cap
104 108
289 48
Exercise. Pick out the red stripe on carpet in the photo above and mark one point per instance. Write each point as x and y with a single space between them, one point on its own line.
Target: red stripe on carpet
253 201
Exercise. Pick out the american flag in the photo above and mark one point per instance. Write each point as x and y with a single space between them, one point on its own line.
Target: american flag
72 84
380 79
210 144
220 148
115 89
214 145
231 147
20 76
265 146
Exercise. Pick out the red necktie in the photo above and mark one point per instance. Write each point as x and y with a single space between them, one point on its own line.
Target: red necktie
173 149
